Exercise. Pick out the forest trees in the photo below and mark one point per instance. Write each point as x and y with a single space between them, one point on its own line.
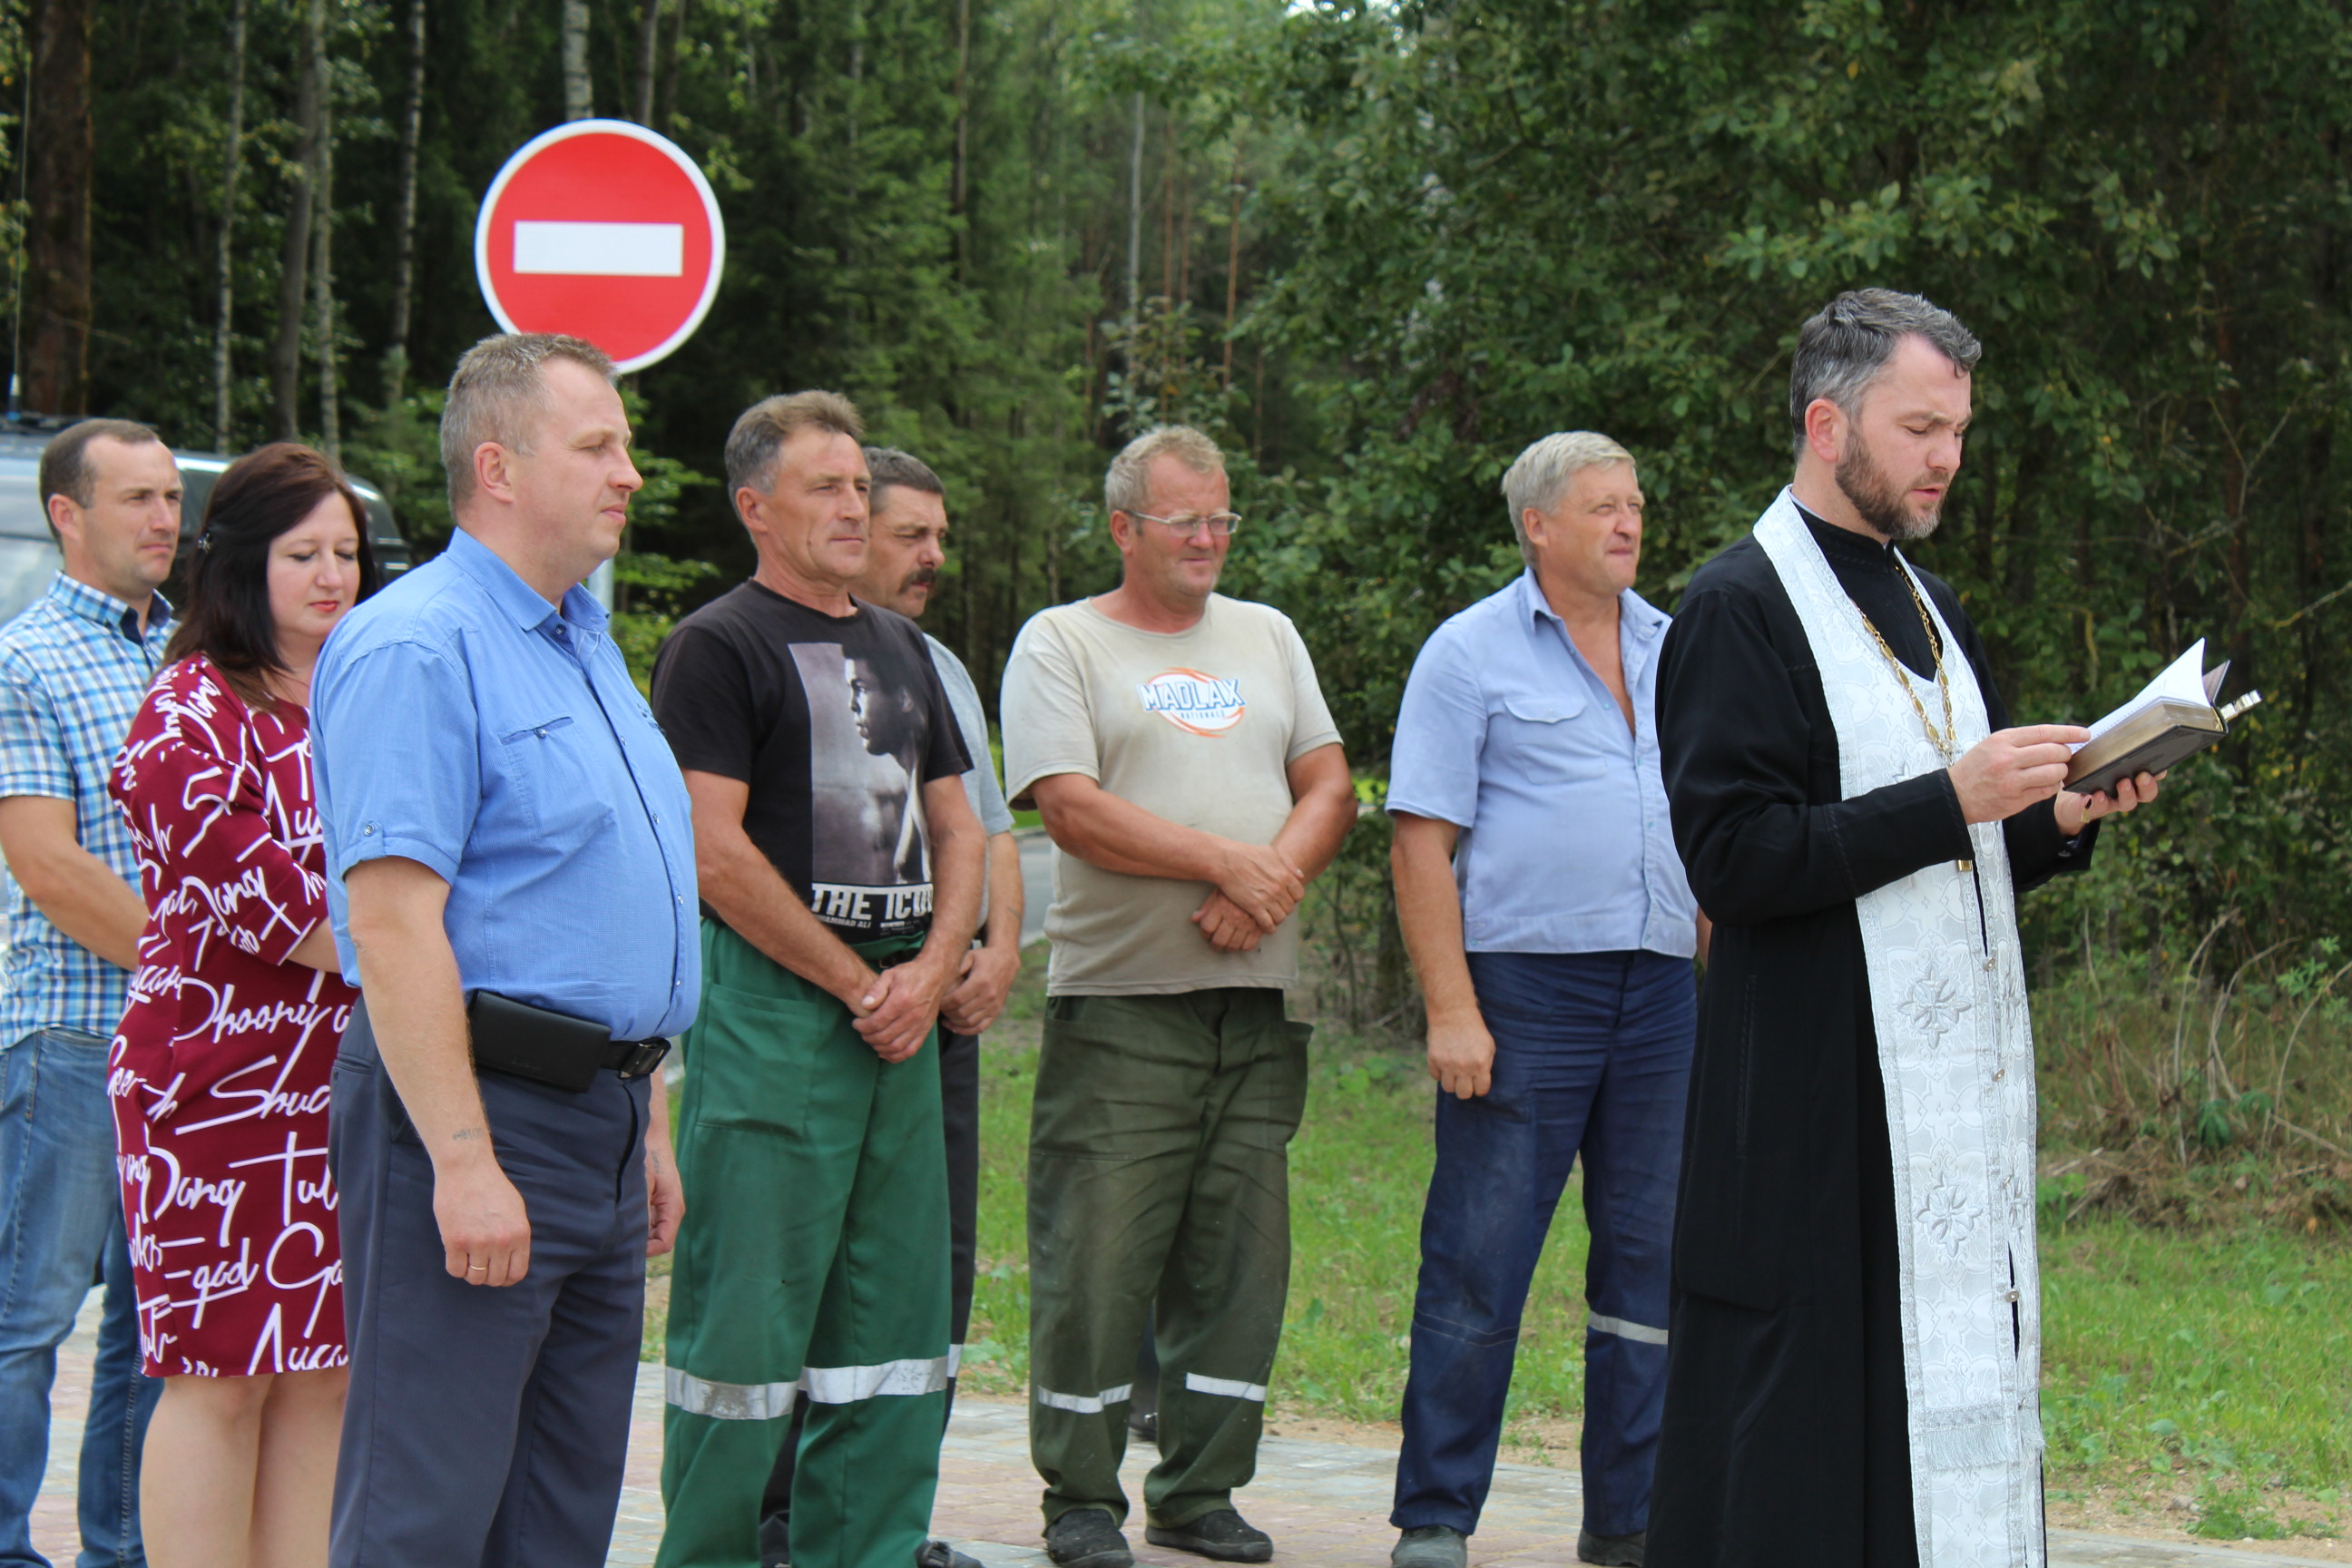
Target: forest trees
54 272
1519 216
1377 248
929 203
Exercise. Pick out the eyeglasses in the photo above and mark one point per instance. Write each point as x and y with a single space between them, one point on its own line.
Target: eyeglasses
1221 523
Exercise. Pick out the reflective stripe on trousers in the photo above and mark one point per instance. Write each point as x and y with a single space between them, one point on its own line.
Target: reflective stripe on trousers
823 1386
1625 1330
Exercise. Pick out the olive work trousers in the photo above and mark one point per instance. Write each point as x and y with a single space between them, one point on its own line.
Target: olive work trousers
813 1259
1159 1175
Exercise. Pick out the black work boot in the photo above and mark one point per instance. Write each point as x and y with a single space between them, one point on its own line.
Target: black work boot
1088 1538
1430 1546
1221 1534
1612 1551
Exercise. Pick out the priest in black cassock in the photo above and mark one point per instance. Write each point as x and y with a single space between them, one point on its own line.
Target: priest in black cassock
1856 1331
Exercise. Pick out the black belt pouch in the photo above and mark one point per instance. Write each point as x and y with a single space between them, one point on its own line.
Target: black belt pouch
523 1041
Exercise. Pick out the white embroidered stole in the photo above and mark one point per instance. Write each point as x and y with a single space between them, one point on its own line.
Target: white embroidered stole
1956 1047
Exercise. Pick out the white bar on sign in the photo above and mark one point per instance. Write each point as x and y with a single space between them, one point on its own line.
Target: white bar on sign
600 249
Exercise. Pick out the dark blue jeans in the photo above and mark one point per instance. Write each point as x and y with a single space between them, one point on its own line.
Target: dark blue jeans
1592 1055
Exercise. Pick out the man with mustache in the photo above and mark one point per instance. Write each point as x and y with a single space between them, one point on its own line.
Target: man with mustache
1855 1330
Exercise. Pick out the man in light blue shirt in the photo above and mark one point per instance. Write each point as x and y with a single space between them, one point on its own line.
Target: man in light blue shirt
512 886
1552 931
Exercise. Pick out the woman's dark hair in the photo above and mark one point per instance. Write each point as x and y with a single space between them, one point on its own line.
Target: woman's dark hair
265 493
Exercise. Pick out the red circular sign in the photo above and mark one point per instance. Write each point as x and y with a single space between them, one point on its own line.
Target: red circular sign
601 229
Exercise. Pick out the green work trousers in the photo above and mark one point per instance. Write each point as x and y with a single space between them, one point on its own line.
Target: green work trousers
1159 1173
814 1258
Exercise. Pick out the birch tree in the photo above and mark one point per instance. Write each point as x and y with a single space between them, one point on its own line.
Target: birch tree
285 349
232 161
403 234
57 152
322 280
579 102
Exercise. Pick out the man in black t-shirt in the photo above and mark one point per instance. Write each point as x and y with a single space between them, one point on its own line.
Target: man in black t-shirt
840 868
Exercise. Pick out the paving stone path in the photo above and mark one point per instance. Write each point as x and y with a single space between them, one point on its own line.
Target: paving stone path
1326 1504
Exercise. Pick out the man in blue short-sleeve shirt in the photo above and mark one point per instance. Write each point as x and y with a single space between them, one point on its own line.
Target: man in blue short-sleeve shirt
1552 931
506 832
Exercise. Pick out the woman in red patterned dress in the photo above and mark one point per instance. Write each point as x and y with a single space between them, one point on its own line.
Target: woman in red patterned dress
222 1064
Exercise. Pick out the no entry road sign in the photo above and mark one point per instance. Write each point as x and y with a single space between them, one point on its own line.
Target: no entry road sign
604 230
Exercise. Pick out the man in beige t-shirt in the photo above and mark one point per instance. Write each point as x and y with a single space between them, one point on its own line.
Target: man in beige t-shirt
1189 771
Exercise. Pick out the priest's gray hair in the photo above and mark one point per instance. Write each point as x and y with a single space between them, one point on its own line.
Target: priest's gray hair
499 386
1540 478
1128 486
1843 349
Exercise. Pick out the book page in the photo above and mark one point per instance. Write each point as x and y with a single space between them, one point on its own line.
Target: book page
2182 680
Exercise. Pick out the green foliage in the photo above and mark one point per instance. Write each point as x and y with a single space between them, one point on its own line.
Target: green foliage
1377 248
398 448
2196 1095
1519 217
928 204
652 588
2222 1361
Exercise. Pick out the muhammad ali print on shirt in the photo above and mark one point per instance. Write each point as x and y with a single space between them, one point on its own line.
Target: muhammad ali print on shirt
836 722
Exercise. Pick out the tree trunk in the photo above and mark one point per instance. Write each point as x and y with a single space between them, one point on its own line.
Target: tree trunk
1135 218
1168 219
648 46
227 291
669 74
323 287
956 188
54 369
293 276
852 183
1233 266
404 239
579 104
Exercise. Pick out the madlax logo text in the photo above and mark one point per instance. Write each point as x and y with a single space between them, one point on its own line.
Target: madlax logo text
1203 704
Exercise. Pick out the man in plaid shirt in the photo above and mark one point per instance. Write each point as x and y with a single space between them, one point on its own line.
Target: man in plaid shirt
73 670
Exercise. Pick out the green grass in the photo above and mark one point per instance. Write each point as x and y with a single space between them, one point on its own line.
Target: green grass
2222 1361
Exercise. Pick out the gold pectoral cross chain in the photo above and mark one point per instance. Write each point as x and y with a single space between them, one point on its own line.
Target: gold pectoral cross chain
1947 742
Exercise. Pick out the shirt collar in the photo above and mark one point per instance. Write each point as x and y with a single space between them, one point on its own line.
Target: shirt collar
1633 611
516 597
79 599
1836 543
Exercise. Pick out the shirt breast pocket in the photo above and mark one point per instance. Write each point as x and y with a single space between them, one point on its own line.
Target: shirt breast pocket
555 778
1545 744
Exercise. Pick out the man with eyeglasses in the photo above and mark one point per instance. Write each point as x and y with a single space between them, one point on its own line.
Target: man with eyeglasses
1181 754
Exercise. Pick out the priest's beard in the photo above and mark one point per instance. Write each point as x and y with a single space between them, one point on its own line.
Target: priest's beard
1879 498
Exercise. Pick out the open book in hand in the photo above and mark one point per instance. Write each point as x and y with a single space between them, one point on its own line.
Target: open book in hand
2172 717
